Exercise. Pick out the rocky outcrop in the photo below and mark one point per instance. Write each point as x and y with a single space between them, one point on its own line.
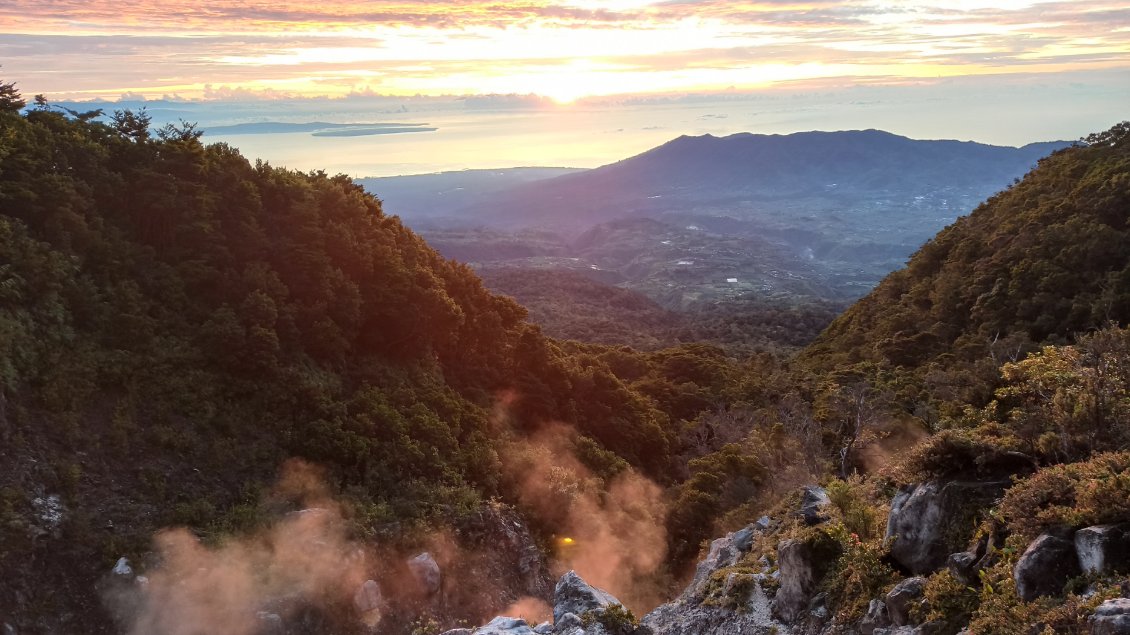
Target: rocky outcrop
802 564
1045 567
724 552
877 618
367 597
902 598
426 571
1103 548
505 626
922 516
574 595
814 503
1112 618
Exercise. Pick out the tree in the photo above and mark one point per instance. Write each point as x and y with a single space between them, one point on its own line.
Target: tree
10 98
132 125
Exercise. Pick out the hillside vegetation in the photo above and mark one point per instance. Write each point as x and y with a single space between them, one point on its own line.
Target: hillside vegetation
176 323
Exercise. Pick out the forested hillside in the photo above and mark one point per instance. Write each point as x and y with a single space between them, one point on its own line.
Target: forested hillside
178 325
177 322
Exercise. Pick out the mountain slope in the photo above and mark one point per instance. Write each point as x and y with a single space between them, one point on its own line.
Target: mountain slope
176 322
694 171
1044 260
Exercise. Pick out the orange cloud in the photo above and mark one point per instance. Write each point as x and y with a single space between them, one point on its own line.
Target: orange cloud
561 48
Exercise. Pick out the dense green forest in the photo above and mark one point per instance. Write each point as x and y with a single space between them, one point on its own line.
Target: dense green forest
177 322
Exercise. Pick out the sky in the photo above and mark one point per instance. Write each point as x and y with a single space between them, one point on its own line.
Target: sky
564 50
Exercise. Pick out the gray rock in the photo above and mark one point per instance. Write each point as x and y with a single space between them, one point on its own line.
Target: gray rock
1112 618
695 618
920 518
1103 548
566 621
272 623
802 565
813 504
123 568
1045 567
762 524
574 595
505 626
9 629
458 631
898 630
877 617
367 597
545 628
902 598
963 567
724 552
426 571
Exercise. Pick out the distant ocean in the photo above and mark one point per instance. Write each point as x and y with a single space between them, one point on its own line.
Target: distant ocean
517 131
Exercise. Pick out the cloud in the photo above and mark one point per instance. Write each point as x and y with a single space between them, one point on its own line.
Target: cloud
101 48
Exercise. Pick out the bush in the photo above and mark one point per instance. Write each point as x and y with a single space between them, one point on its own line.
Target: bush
1081 494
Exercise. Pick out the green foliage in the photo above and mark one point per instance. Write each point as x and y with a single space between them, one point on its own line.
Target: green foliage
615 619
859 573
1044 259
1091 492
859 515
947 602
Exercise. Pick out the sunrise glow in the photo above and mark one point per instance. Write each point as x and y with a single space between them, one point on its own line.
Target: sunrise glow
563 50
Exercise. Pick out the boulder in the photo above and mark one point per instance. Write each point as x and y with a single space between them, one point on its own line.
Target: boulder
1112 618
367 597
963 567
877 617
567 621
802 564
921 516
1103 548
505 626
904 596
724 552
123 568
545 628
813 505
574 595
1045 567
426 571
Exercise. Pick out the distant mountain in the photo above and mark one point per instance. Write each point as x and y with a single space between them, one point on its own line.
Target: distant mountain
758 171
813 215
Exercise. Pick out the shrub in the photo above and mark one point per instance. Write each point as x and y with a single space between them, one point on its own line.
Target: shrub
1091 492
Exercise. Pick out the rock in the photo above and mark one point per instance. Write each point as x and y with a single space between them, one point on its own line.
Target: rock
1112 618
1045 567
505 626
963 567
898 630
920 518
902 598
272 623
813 503
545 628
458 631
877 617
9 629
802 565
1103 548
762 524
574 595
426 571
724 552
367 597
568 620
123 568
